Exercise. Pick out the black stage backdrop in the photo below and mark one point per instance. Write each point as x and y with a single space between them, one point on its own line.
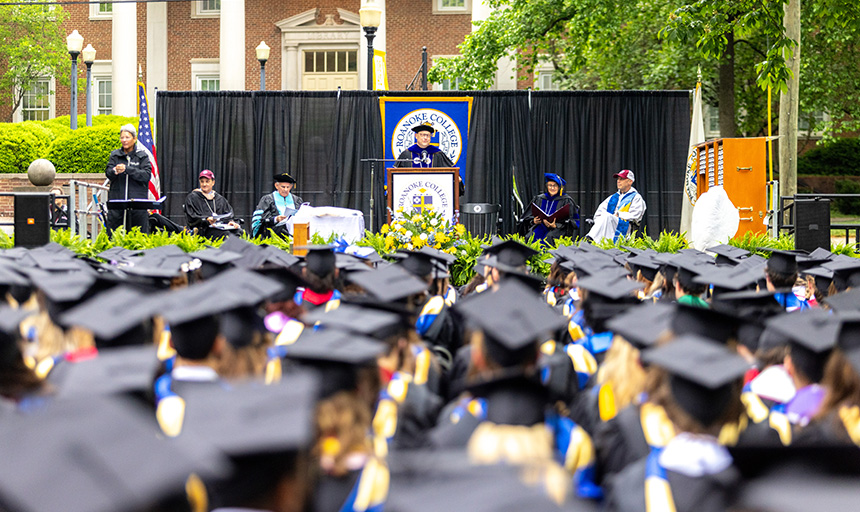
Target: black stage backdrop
321 139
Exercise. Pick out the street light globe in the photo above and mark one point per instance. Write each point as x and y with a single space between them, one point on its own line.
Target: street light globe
74 42
89 54
263 52
370 15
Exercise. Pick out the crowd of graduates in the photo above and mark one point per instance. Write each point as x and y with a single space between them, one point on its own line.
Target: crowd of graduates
246 378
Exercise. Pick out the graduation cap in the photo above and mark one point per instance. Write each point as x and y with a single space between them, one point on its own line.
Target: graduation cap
728 279
728 255
284 177
703 322
646 264
115 317
812 334
519 320
320 259
99 454
120 370
214 260
609 287
844 302
287 277
823 278
846 272
117 253
253 255
511 253
336 354
643 325
781 262
688 268
388 284
748 304
849 331
425 481
813 259
418 263
702 374
361 320
276 256
239 325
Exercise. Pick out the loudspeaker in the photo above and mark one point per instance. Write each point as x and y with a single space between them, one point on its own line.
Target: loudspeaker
812 224
32 219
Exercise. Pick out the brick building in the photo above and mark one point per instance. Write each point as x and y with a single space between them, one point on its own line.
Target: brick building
210 45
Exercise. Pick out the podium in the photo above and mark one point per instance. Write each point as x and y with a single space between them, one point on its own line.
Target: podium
420 189
740 166
135 204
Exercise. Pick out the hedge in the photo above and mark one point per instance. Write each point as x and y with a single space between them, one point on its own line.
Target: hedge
84 150
835 158
21 143
848 206
18 148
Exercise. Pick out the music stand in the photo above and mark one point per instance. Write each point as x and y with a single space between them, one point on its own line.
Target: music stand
134 204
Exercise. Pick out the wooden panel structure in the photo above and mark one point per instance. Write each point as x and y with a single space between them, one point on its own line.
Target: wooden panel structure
740 166
301 235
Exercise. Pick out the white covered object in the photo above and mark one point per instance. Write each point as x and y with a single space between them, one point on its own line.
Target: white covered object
715 219
329 220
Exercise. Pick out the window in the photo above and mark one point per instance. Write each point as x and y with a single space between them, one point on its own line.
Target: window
803 123
205 75
37 102
451 6
712 121
331 61
208 83
446 85
545 82
103 87
205 8
101 11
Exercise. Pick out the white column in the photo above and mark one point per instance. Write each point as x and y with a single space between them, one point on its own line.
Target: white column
156 49
290 71
232 55
124 59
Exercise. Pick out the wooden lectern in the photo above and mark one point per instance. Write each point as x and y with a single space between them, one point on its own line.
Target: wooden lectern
740 166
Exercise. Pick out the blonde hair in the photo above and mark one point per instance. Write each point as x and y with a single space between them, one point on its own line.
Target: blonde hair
247 361
621 369
343 421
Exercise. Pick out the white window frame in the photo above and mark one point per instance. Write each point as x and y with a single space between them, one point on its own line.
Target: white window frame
102 71
197 11
439 9
825 118
96 14
204 69
544 69
709 113
440 86
18 115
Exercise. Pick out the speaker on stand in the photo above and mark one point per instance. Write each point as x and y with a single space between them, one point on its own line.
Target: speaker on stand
32 219
812 224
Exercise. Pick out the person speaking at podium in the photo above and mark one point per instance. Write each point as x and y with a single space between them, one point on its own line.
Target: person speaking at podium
129 171
422 153
552 214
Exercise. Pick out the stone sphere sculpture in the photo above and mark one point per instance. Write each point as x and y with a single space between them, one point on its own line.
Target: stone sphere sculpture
41 172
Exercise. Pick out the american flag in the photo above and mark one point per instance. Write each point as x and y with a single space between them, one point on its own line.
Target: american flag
147 142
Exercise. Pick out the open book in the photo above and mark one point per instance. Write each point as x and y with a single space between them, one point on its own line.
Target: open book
288 213
560 214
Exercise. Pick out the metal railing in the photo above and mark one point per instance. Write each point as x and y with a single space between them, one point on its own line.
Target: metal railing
791 224
88 216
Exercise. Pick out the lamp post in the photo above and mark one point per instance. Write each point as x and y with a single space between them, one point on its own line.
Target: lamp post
370 15
89 56
74 43
262 56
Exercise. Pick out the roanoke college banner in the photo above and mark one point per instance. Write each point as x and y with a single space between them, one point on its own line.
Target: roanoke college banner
448 116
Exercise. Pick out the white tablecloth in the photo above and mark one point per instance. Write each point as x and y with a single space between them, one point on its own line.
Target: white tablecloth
328 220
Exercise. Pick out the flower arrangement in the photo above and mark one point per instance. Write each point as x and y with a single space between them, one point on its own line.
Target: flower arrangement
413 230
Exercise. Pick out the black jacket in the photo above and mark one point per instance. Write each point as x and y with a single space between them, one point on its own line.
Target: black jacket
138 173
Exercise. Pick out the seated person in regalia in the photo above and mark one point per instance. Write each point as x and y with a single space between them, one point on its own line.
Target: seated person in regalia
546 204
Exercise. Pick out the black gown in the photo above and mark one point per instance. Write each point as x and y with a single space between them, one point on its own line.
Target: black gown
550 204
198 209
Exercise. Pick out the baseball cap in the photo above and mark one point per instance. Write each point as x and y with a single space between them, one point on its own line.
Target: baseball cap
206 173
626 174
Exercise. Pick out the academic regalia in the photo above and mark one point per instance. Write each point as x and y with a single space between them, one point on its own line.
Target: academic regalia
620 442
550 204
431 156
269 207
630 208
198 208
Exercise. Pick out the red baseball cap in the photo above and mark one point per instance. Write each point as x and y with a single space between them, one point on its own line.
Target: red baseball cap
206 173
626 174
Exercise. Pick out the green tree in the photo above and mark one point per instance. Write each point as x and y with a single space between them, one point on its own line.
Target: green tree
32 46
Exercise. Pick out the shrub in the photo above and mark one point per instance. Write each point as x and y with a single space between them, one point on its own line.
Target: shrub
18 148
848 206
85 149
836 158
